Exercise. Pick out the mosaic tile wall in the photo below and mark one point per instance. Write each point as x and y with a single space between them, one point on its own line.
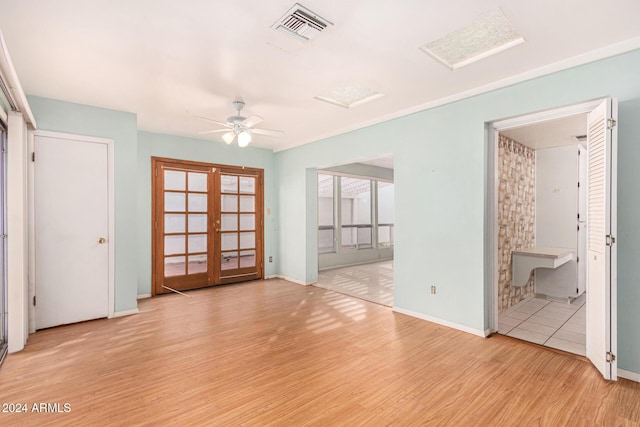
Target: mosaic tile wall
516 215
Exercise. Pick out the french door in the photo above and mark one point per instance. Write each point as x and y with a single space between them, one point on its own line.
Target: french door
207 224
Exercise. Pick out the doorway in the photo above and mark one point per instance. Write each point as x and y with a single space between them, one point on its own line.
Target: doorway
541 259
208 224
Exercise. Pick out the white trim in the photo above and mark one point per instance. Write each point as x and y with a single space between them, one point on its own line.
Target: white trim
594 55
545 115
491 197
17 230
633 376
125 313
111 236
143 296
10 77
271 276
299 282
463 328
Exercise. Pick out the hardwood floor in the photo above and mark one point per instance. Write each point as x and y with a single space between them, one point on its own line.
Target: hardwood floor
276 353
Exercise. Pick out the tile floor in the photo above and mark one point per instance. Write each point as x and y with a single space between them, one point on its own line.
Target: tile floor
552 324
371 282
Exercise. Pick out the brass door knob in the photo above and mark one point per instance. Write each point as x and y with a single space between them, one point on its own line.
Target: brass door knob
102 240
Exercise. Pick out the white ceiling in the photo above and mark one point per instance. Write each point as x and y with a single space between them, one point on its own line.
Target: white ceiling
551 133
170 61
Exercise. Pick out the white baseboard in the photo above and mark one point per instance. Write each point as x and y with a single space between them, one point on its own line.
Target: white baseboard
299 282
143 296
463 328
125 313
629 375
271 276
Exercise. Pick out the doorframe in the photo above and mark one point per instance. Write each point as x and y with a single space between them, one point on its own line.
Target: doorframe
492 130
215 193
111 236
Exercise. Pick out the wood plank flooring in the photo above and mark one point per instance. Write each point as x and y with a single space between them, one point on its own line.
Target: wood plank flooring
276 353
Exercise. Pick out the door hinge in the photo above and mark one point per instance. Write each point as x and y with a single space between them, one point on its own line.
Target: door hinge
578 184
610 240
611 123
578 259
33 156
34 300
578 227
610 357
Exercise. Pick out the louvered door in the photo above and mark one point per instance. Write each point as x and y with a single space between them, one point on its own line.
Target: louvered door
601 192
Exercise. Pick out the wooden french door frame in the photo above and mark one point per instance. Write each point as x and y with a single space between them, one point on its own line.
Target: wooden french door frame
185 226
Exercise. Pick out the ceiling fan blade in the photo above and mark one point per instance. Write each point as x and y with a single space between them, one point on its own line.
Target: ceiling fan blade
251 121
227 125
271 132
213 131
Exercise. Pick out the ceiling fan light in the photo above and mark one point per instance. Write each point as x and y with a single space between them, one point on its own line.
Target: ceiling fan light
228 137
244 138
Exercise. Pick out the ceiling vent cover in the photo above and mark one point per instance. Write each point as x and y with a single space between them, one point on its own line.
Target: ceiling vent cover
301 23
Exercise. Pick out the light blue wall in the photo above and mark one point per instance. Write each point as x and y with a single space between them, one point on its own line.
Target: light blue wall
440 168
79 119
175 147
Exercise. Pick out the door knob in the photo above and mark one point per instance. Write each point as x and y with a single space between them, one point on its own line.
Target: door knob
102 240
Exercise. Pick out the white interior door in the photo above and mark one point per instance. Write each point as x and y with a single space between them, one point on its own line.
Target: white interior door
601 228
71 197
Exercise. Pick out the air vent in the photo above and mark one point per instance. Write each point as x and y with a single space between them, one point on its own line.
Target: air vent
580 138
301 23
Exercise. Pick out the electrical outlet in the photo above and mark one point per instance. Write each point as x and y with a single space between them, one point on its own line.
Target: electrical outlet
270 259
433 290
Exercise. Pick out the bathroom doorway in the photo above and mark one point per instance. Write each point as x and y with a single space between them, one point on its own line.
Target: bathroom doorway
551 216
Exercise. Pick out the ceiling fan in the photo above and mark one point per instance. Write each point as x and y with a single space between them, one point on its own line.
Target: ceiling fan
240 127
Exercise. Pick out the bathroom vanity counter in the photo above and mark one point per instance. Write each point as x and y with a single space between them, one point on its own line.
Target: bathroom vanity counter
527 259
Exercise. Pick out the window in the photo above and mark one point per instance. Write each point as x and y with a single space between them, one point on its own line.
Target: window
354 213
326 207
355 196
385 214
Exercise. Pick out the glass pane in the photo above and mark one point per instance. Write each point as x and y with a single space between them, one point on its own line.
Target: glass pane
197 202
385 203
174 245
247 185
174 223
247 204
247 222
197 223
364 238
174 180
174 202
229 203
385 236
356 200
229 241
229 222
325 210
197 181
197 243
229 260
229 184
325 199
197 264
174 266
248 240
349 238
325 241
247 259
